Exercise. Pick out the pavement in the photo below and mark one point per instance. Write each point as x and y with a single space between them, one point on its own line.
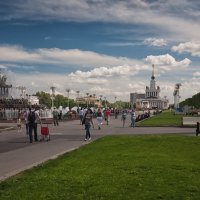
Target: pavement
17 154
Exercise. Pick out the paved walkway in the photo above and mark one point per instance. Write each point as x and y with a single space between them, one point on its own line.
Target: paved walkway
17 154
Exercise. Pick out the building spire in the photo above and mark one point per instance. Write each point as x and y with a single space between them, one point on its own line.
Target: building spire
153 77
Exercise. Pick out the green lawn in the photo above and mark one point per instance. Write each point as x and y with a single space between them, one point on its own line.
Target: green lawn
165 118
115 167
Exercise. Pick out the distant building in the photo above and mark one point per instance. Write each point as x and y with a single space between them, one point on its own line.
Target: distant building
4 87
151 99
90 99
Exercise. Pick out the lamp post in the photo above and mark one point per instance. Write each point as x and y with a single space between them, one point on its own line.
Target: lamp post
78 98
100 99
115 101
87 98
68 90
105 102
94 97
53 89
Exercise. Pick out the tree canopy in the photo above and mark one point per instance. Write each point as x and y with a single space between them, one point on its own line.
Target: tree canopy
194 101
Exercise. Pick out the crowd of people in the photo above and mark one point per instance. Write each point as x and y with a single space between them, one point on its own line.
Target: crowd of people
13 103
31 117
86 118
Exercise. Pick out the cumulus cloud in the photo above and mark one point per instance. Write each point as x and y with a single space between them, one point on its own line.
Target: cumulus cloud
158 42
196 74
188 47
167 62
106 72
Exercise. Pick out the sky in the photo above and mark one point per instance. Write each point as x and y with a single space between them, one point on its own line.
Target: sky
101 47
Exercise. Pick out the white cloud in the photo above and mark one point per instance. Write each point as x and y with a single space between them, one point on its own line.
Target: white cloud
106 72
47 38
167 62
188 47
158 42
61 57
180 17
116 78
196 74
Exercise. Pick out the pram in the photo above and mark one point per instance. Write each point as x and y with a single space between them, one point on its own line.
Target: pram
45 133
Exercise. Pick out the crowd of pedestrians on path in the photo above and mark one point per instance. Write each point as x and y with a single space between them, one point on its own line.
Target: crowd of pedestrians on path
102 116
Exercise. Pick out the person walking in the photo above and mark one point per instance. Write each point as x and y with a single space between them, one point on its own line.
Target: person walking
19 124
81 115
123 117
33 119
133 118
55 117
99 118
88 122
107 115
25 115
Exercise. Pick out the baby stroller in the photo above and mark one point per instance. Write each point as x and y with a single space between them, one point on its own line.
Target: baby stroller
45 132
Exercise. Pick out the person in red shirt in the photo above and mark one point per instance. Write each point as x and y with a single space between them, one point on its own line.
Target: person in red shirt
107 115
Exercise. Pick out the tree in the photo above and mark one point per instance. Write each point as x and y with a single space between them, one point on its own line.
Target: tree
59 100
194 101
44 98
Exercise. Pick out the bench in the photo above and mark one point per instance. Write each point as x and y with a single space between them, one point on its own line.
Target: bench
197 130
190 121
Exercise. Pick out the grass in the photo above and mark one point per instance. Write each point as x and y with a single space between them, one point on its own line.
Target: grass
165 118
115 167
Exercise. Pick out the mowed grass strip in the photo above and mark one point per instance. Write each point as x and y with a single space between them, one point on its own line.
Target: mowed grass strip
165 118
115 167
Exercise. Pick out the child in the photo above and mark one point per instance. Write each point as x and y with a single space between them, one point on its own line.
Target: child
19 124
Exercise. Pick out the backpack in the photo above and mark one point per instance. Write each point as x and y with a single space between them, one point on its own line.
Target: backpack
31 117
99 114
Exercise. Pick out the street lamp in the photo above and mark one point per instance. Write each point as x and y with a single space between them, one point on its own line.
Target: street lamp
78 98
100 99
115 101
87 98
53 89
105 102
94 97
68 90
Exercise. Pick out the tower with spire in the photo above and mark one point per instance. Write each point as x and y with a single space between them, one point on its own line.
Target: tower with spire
152 91
151 98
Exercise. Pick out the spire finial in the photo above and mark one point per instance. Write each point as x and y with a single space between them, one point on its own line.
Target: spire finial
153 77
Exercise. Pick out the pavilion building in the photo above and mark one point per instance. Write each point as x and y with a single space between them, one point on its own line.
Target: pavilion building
151 98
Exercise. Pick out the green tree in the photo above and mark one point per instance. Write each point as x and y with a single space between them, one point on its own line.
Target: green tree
44 98
194 101
59 100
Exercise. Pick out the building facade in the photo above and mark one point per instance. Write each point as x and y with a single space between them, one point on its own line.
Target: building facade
151 98
4 87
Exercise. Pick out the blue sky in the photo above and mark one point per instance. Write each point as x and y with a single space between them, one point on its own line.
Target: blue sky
101 47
